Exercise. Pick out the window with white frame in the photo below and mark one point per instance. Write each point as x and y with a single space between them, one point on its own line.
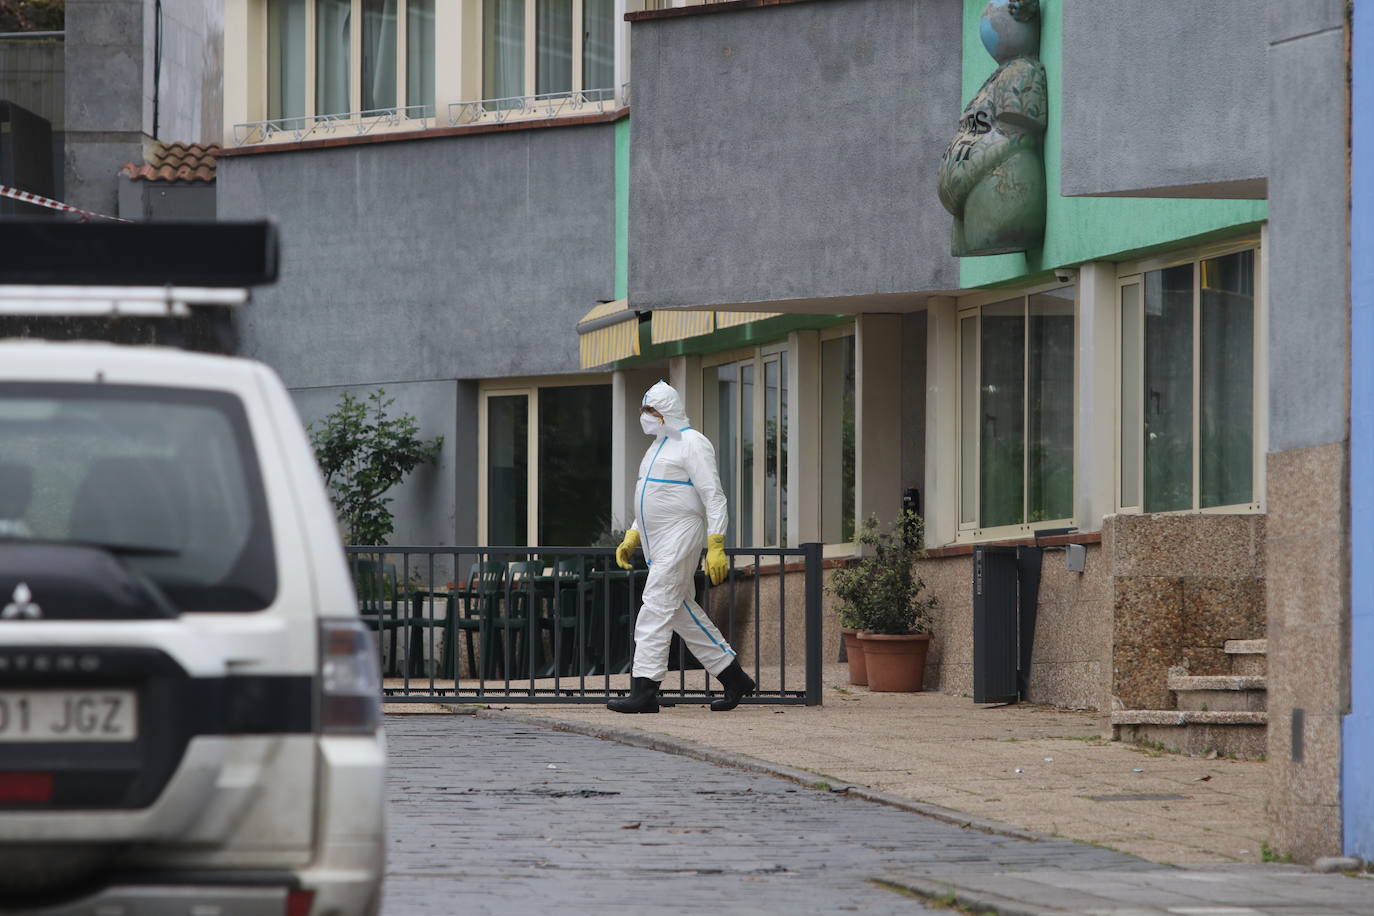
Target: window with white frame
554 47
545 464
1188 385
331 57
1016 412
837 435
745 409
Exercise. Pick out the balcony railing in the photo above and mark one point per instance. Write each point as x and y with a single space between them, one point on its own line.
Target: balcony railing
549 105
673 4
424 117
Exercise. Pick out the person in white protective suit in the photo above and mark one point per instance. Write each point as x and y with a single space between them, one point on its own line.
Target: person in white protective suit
679 505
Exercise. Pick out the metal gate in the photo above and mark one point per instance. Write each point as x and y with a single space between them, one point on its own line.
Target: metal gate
556 624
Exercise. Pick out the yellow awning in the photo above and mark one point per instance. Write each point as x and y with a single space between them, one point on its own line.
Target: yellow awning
674 325
733 319
607 333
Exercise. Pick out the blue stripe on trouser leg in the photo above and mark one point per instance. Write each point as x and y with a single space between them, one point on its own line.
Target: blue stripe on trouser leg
673 579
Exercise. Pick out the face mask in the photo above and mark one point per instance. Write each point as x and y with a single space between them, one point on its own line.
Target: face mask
652 425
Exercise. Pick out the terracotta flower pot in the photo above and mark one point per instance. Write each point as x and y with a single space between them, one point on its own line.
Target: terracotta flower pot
854 651
896 664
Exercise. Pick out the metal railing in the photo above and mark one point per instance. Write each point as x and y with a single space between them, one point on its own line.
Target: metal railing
424 117
556 624
674 4
533 107
355 123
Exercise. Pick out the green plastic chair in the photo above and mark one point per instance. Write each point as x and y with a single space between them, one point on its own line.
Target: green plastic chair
565 617
474 604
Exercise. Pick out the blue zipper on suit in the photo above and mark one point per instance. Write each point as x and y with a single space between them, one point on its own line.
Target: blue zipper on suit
662 442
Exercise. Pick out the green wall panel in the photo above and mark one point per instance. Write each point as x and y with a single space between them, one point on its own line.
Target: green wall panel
1081 229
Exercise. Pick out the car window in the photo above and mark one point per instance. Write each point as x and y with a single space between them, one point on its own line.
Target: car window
166 479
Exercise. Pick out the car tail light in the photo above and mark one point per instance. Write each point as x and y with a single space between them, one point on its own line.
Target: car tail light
350 679
26 787
298 902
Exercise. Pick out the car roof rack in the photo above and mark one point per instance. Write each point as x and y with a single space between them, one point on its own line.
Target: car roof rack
114 301
192 254
173 283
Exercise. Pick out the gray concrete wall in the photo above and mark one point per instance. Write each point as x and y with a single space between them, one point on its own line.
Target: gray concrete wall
1166 98
1308 543
437 503
105 100
791 152
165 200
190 91
457 257
1309 268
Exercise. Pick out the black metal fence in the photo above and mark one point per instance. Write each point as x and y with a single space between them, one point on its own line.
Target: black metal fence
556 624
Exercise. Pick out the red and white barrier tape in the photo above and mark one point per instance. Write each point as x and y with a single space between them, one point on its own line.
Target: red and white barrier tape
39 200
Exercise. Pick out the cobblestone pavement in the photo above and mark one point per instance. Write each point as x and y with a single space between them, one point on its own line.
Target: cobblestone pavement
505 817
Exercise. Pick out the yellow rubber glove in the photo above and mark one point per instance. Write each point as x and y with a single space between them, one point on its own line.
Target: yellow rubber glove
626 549
716 564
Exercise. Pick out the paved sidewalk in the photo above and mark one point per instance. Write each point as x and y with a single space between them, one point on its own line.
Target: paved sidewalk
1046 771
1236 890
914 746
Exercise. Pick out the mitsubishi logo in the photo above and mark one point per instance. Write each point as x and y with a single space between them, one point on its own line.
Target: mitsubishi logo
21 607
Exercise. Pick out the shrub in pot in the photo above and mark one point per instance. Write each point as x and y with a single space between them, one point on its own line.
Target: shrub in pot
850 624
888 604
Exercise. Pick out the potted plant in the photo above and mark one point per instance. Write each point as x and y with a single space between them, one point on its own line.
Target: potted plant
885 600
850 624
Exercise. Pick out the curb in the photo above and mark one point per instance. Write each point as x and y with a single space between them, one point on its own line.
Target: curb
944 892
684 748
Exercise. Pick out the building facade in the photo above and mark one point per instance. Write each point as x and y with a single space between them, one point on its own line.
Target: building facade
1157 372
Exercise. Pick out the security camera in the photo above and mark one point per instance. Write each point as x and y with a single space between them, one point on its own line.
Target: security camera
1065 274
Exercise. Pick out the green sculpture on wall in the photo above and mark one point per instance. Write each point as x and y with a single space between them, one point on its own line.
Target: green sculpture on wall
992 175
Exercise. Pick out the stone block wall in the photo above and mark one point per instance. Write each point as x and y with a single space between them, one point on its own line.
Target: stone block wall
1309 660
1072 631
1181 585
771 608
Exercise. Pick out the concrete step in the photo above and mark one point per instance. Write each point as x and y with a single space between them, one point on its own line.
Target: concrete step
1248 656
1231 733
1219 693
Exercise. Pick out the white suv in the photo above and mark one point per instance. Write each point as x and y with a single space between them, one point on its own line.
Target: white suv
189 705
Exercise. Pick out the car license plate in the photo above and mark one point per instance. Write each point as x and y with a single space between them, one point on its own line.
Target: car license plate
68 715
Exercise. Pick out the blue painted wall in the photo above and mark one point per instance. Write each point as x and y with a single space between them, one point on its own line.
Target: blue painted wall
1357 772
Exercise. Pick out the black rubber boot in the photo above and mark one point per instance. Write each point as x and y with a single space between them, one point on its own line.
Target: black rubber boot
643 697
737 684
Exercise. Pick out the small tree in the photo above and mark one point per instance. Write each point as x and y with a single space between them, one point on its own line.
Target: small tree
882 593
363 453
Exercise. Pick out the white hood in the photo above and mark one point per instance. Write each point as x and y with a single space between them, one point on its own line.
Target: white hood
664 398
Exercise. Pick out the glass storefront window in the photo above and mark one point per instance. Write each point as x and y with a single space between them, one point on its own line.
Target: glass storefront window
1188 385
837 440
1002 394
1049 406
743 419
1226 379
508 470
1169 389
574 465
548 466
1016 411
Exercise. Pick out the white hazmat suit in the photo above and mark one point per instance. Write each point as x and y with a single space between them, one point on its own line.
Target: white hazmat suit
678 502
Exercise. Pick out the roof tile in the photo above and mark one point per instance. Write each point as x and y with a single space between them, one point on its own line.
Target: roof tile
178 161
